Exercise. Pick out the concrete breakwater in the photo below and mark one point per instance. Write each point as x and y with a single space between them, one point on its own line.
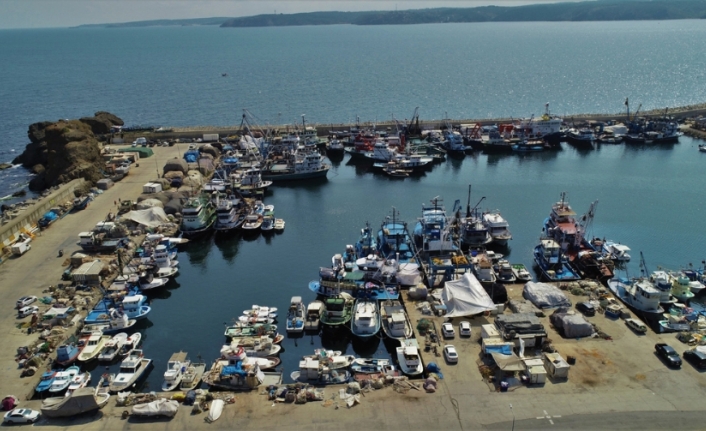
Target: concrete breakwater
196 132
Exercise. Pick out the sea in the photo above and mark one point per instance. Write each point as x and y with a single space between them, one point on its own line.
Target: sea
649 198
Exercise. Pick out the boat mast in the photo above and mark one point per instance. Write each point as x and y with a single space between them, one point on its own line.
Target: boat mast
643 265
468 202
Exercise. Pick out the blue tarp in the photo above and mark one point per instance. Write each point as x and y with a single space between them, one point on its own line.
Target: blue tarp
230 370
191 156
433 368
51 215
504 349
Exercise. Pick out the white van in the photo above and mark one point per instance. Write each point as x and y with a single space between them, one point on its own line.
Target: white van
636 325
140 141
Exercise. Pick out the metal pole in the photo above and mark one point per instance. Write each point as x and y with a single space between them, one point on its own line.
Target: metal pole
513 418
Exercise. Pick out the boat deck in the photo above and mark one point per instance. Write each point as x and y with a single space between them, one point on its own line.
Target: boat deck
178 357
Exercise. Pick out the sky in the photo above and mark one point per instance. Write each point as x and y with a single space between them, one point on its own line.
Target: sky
69 13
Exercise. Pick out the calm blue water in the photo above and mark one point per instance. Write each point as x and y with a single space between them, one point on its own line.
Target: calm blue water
649 198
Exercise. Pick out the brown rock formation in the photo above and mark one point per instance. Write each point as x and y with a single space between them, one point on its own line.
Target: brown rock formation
65 150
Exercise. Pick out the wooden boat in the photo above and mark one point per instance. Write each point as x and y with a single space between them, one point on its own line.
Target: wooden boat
192 376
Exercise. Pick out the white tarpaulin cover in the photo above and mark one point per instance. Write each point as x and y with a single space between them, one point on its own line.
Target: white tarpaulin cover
151 217
545 295
160 407
510 362
466 297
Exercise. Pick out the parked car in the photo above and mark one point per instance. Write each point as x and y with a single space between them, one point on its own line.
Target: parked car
21 416
464 329
636 325
450 354
447 330
140 141
26 311
586 308
670 356
25 301
696 357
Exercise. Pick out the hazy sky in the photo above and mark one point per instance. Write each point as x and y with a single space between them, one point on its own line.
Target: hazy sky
68 13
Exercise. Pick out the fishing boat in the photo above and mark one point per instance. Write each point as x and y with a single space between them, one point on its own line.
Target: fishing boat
192 376
79 381
198 215
236 376
130 344
504 272
133 369
62 379
662 282
409 360
394 320
257 347
312 323
616 251
295 315
472 230
366 318
498 227
66 354
315 372
176 367
681 288
369 365
299 164
640 294
93 346
252 222
135 306
118 322
112 347
394 170
236 354
431 233
45 381
582 137
279 225
552 263
521 272
338 311
237 331
252 183
394 240
529 146
228 216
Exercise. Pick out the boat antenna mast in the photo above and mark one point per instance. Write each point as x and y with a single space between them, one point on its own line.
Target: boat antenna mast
643 265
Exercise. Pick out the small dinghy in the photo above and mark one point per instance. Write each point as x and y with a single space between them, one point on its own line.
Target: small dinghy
214 412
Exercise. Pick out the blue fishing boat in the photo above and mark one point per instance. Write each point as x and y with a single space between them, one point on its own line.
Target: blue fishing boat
45 381
394 241
354 284
431 233
135 306
552 263
66 354
367 243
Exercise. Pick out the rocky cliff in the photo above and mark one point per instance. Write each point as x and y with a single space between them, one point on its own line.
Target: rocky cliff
65 150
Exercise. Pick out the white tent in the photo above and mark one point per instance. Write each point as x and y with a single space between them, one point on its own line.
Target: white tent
151 217
466 297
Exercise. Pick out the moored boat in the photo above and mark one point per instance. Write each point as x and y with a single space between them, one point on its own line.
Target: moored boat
295 315
192 376
198 215
112 347
409 360
176 367
394 321
133 369
366 318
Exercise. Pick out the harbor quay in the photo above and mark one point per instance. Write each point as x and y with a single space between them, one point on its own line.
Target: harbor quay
616 380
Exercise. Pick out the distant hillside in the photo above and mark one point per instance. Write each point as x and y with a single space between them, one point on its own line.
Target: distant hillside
600 10
164 22
606 10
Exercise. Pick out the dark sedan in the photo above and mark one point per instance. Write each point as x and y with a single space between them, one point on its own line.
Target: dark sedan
696 357
670 356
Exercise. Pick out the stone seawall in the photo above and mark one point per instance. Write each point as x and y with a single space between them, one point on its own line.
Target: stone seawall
27 219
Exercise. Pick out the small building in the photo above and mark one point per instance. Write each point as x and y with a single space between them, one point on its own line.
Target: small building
88 273
556 366
527 326
536 373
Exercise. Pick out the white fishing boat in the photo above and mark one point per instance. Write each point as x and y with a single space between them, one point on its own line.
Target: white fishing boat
112 347
259 347
312 322
132 343
394 320
79 381
192 376
93 346
639 294
176 367
409 360
132 369
498 227
317 372
279 224
616 251
295 315
366 318
62 379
